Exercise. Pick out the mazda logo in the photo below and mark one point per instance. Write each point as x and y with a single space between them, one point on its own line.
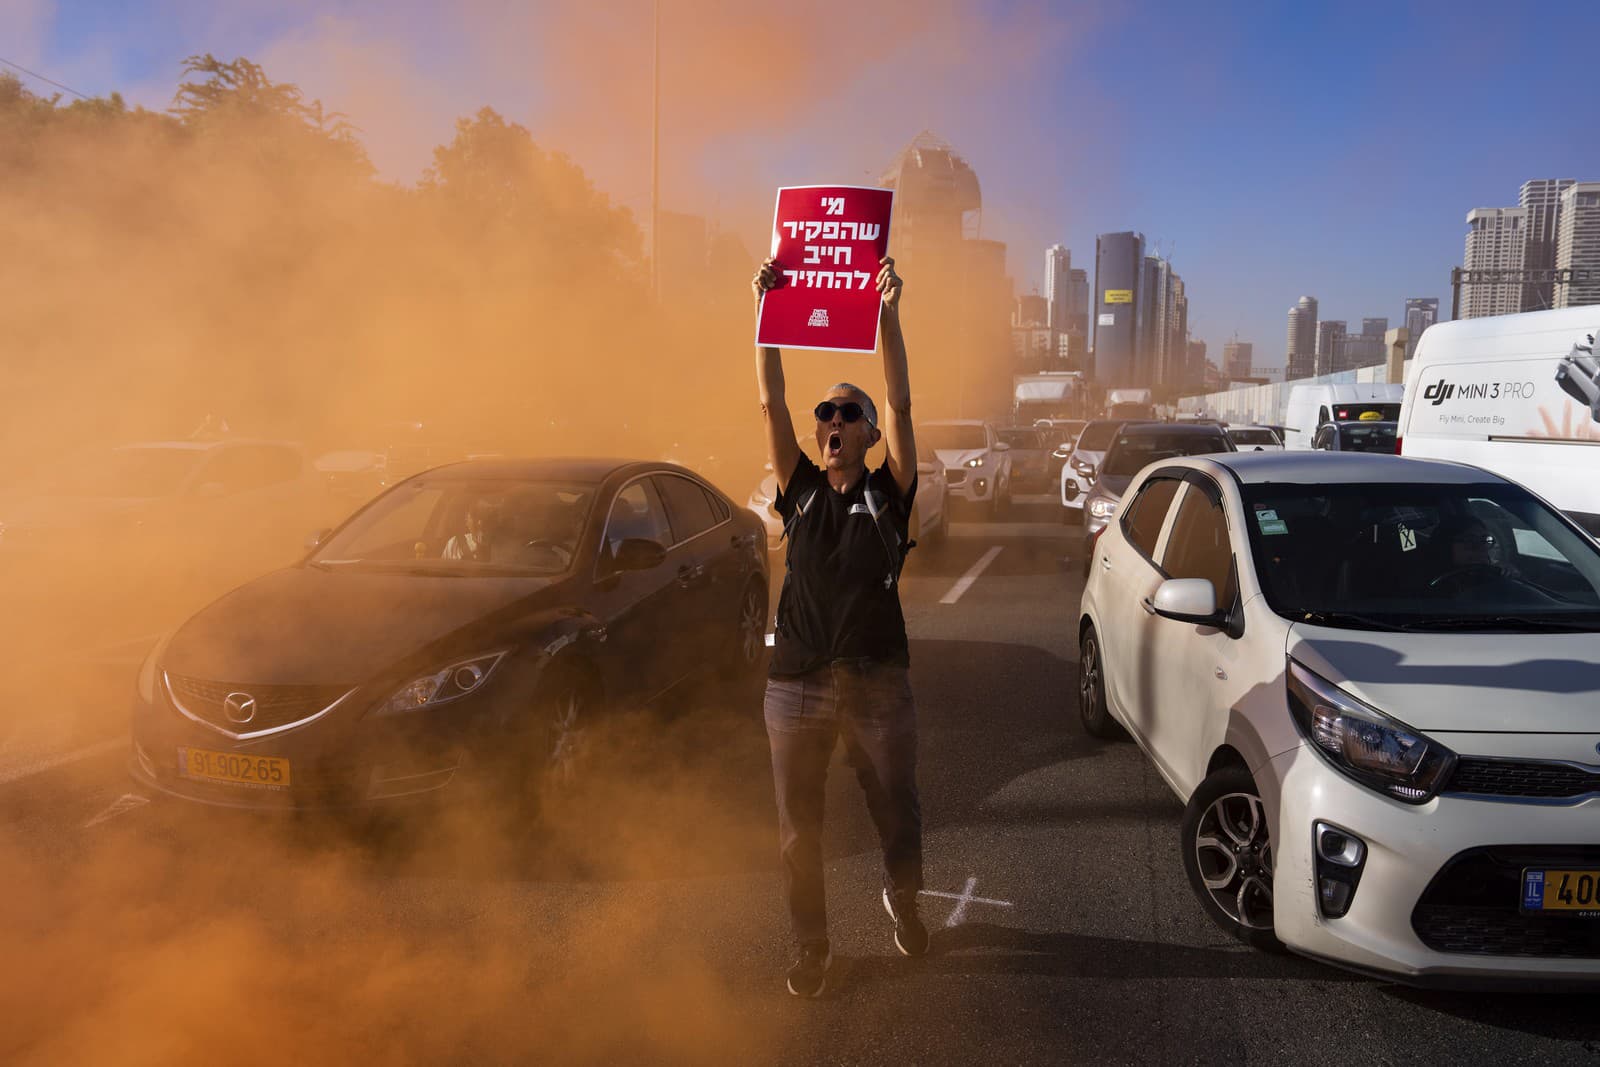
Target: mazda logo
239 707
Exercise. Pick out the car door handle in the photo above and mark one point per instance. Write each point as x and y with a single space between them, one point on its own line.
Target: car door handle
1105 563
1149 608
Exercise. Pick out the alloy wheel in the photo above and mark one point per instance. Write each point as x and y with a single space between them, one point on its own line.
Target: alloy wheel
752 626
1234 856
1089 672
567 737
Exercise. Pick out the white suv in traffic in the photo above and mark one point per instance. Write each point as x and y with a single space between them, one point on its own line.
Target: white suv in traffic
977 463
1375 682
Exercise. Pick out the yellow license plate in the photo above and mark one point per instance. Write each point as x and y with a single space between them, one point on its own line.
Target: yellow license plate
1565 891
255 772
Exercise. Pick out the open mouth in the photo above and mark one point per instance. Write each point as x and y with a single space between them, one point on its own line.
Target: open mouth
835 443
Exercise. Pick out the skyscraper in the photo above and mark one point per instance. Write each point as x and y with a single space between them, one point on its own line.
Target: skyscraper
1194 375
1496 240
1421 312
1578 243
1375 327
1078 303
1541 198
1236 359
1118 261
1302 355
1057 290
1329 333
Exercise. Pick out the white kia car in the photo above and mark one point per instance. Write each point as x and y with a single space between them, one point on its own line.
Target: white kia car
977 462
1375 682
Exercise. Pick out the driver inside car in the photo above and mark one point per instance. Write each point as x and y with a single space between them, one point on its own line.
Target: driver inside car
482 524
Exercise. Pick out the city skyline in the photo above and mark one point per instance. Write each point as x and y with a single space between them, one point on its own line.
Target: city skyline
1216 192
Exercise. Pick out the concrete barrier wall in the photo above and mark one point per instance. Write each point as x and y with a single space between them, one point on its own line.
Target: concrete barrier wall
1265 405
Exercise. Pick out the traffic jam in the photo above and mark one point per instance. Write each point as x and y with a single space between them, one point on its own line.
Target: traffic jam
462 608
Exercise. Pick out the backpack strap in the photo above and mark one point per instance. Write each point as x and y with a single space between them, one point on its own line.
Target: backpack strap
799 513
888 535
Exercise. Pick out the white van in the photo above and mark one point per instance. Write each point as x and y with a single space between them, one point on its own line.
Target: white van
1518 395
1311 406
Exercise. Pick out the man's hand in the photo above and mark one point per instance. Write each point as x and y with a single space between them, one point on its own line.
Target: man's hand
765 278
889 284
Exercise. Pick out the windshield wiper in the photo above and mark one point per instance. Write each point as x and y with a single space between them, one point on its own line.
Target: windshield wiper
1346 618
1506 622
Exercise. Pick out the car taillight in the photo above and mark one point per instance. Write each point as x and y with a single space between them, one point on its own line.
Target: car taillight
1398 440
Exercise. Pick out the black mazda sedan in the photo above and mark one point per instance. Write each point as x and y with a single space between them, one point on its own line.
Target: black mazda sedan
461 630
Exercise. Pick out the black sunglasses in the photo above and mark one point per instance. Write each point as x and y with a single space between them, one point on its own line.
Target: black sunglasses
851 411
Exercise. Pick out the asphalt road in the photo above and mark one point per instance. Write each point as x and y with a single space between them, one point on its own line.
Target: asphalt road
647 925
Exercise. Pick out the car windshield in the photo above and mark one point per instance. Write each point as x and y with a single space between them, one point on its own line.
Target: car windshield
1367 437
1131 451
1422 556
953 436
1253 437
1020 438
123 472
464 526
1097 436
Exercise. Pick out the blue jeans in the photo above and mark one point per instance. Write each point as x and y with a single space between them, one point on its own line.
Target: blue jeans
869 706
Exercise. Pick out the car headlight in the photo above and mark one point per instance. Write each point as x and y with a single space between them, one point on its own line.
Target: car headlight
975 462
760 500
1060 453
150 670
443 685
1102 508
1379 752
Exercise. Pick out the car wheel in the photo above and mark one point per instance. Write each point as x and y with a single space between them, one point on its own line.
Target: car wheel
1228 856
1092 708
558 750
751 637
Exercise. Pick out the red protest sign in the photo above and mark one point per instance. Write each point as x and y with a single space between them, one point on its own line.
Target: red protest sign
827 241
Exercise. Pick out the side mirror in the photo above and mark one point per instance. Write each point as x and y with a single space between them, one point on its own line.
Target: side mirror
1002 446
315 538
1186 600
639 554
1070 489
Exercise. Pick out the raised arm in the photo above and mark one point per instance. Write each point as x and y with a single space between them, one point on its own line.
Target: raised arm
782 449
897 433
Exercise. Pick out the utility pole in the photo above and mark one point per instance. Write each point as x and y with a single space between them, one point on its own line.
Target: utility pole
655 158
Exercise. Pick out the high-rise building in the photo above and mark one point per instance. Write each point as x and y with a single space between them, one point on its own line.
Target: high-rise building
1031 310
1118 263
1078 302
1177 354
1057 288
1237 356
1329 333
1375 327
1421 312
1541 199
1496 240
1194 376
1302 355
1578 244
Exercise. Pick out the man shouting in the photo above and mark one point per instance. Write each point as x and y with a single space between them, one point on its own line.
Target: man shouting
840 660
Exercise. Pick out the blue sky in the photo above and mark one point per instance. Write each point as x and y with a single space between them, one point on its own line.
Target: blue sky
1271 150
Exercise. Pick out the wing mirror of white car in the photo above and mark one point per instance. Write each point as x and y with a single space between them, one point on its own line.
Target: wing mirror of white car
1186 600
1002 446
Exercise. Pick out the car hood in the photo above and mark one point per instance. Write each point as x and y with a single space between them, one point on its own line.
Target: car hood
1466 682
1112 485
958 457
305 626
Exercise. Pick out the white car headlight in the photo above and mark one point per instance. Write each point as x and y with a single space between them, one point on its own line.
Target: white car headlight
443 685
759 500
1381 753
1102 508
975 462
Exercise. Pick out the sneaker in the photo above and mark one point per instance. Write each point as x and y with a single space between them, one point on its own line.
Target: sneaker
910 936
809 975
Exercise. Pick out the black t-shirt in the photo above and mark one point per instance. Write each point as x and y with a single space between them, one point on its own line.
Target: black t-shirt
835 602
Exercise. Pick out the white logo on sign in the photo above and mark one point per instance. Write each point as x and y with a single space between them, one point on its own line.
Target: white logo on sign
819 317
1408 539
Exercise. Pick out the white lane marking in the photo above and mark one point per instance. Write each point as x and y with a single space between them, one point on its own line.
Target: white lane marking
964 582
28 770
964 898
122 805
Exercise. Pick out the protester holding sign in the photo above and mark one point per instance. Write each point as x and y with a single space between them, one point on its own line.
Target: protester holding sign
840 664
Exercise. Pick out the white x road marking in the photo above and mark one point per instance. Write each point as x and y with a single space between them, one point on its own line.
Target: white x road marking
964 582
123 804
964 898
